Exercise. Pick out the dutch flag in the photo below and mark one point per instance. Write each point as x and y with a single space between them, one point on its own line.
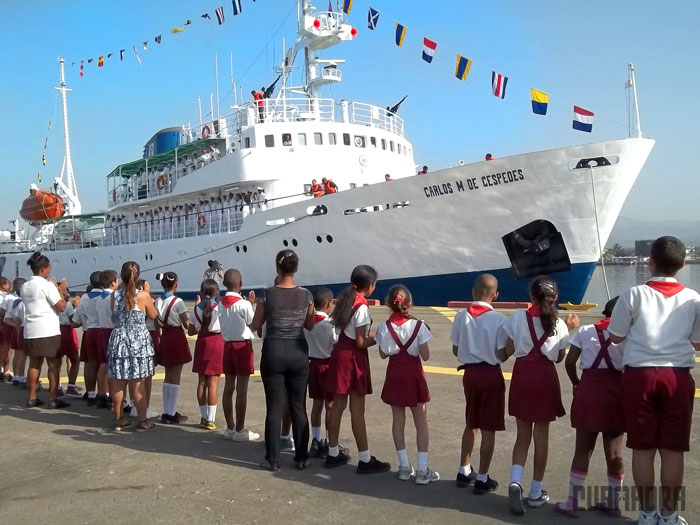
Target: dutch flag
428 49
498 84
583 119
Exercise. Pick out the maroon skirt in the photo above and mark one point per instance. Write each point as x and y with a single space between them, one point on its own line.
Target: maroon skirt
155 337
597 404
173 348
9 334
209 354
535 394
405 384
69 341
318 370
348 369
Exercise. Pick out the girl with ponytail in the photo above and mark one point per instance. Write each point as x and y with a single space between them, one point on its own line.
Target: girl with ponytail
538 339
208 351
173 351
130 350
348 371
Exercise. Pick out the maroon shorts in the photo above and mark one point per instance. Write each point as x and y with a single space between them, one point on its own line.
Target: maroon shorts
535 395
155 337
658 405
9 334
103 335
208 354
597 404
69 341
485 393
90 350
238 358
173 348
318 370
83 356
348 372
405 384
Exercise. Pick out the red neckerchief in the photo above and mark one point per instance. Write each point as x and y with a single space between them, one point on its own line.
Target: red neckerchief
398 319
534 311
319 318
229 300
667 288
475 310
603 323
360 300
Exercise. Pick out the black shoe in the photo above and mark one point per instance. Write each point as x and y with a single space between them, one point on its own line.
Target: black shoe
464 481
315 448
373 466
103 402
34 403
484 487
303 464
336 461
323 450
272 466
58 403
178 418
91 401
85 397
165 419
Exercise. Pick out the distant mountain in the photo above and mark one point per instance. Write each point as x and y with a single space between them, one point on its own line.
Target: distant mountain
627 230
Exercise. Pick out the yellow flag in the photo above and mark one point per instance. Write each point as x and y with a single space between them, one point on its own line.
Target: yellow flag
38 176
177 30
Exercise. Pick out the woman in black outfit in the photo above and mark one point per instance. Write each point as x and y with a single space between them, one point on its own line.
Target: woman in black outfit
284 365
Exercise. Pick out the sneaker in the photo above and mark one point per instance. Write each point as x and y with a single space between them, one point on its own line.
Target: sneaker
73 391
228 433
336 461
245 435
315 447
464 481
648 519
132 411
58 403
544 498
203 422
16 382
676 520
177 418
85 396
323 449
34 403
484 487
515 499
287 444
563 508
424 477
103 401
209 425
405 473
60 392
373 466
150 414
91 401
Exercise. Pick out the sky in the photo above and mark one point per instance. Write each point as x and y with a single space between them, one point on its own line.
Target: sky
576 50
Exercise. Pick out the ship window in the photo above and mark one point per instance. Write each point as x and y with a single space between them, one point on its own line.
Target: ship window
399 148
391 145
346 139
373 141
383 143
331 139
246 142
302 139
286 139
269 141
318 139
360 141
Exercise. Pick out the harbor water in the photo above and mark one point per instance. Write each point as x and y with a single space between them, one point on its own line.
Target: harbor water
623 277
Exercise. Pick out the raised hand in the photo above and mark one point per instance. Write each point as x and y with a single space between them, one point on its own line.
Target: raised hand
251 296
572 321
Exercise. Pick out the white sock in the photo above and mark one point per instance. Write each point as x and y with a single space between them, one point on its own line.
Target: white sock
365 456
577 480
482 477
465 469
92 395
333 451
536 489
174 396
211 413
316 433
422 461
166 398
203 411
615 483
403 457
516 474
327 435
23 379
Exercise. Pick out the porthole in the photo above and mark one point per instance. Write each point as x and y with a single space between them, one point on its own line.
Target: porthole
329 238
245 249
319 238
295 243
238 249
285 242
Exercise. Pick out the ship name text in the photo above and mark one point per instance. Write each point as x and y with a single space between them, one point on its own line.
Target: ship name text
474 183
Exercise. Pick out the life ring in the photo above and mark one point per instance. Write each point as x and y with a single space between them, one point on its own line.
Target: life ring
161 182
201 221
206 131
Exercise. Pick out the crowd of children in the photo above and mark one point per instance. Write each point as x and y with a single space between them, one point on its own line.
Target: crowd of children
635 370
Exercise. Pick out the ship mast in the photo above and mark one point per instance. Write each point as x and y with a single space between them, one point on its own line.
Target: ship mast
66 181
632 83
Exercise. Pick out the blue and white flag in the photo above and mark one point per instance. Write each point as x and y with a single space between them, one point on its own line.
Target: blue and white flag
237 8
372 18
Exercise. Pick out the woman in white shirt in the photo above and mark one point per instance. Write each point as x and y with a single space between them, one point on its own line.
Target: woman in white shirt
43 301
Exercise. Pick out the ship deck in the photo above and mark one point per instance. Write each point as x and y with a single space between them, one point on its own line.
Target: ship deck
73 470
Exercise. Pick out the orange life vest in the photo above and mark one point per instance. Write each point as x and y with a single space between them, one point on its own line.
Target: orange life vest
317 190
329 187
259 97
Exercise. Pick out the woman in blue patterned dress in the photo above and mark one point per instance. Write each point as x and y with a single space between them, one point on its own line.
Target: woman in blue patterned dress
131 354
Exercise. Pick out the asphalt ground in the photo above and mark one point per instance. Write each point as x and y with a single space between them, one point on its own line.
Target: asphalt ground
68 467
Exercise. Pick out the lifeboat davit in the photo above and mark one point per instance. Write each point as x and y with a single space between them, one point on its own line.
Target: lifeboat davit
42 205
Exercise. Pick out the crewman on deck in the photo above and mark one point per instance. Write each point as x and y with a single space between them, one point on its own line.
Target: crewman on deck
316 189
489 156
329 186
423 171
259 98
387 178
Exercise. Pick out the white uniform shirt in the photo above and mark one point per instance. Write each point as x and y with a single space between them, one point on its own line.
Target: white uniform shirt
360 318
404 332
3 295
39 297
517 329
6 300
322 338
196 315
64 316
15 310
179 308
234 317
478 338
586 338
658 329
86 312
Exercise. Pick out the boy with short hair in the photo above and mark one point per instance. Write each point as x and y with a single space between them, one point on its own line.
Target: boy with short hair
320 340
86 316
109 281
660 324
235 314
477 335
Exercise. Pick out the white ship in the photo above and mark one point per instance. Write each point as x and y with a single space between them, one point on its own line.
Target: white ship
516 217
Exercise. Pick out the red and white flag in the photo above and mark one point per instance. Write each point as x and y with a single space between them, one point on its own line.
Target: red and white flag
583 119
498 84
428 49
220 15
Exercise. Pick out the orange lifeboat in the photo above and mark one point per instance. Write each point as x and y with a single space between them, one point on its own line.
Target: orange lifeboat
42 205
